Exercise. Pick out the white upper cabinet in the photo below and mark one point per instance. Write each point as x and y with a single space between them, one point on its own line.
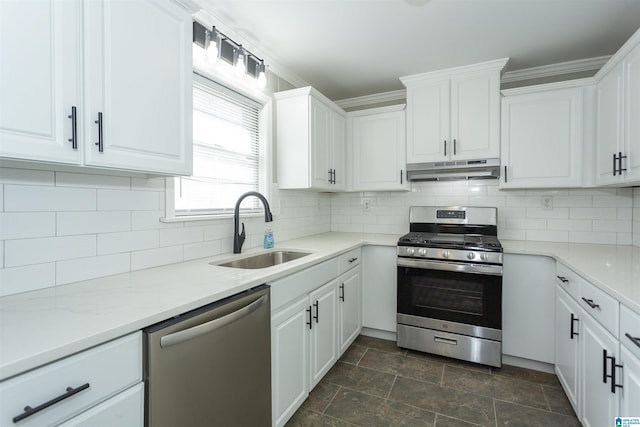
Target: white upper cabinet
543 134
617 127
124 67
454 114
40 79
311 135
376 149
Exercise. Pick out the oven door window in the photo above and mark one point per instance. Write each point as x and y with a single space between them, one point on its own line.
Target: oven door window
473 299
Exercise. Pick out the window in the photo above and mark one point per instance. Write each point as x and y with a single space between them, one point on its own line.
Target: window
227 152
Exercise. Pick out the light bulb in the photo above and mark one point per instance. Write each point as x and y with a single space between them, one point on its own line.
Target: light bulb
212 49
240 67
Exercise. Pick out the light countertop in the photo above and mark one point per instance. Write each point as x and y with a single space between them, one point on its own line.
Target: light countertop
42 326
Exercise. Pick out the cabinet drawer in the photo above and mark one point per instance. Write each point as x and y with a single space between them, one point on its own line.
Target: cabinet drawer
349 260
291 287
630 324
601 306
125 409
568 280
107 369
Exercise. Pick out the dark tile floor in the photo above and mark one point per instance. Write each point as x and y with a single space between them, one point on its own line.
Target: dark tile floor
376 383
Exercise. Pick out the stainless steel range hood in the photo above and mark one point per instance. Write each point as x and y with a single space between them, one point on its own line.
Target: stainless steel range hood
454 170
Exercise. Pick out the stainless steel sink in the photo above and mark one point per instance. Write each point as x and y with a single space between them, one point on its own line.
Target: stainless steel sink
262 260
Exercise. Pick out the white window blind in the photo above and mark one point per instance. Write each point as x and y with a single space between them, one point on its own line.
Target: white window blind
226 152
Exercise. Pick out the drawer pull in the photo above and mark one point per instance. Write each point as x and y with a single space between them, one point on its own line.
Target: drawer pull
353 259
590 303
635 340
28 410
563 279
342 292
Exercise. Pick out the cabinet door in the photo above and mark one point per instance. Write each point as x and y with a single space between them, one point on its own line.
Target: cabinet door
631 114
320 134
289 360
608 125
599 404
378 152
125 409
630 401
567 337
350 319
40 79
338 151
475 116
138 76
428 110
527 303
542 139
324 338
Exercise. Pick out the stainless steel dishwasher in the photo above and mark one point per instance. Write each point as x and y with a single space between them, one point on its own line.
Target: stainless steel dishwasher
211 366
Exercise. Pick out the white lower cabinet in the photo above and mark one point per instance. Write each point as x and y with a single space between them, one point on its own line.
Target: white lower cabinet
323 316
349 307
94 387
379 288
567 343
630 394
600 402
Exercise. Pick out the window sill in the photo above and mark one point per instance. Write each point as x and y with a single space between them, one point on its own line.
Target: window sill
190 218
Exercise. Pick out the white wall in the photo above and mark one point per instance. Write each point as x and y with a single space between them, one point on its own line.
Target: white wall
578 215
60 227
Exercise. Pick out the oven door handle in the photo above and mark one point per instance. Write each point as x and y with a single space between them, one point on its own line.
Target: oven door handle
488 269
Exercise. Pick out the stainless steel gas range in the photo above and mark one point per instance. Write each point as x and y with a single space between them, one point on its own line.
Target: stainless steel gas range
450 283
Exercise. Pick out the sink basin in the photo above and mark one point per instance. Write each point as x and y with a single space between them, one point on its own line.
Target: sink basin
262 260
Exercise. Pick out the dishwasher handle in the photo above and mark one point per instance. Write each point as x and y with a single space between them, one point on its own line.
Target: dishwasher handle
196 331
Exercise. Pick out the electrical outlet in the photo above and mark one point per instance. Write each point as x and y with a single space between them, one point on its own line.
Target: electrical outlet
547 203
366 205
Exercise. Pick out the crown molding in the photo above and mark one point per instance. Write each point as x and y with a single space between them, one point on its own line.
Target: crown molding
359 101
580 65
209 19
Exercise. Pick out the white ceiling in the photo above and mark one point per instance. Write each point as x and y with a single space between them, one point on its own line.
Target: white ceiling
350 48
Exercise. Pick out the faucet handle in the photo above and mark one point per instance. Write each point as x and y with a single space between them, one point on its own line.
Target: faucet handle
242 233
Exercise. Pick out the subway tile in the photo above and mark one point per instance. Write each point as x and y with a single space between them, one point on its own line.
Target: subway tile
377 228
524 223
25 198
512 212
572 201
617 200
204 249
155 184
219 231
79 269
1 198
120 200
156 257
624 238
26 177
85 180
569 224
547 236
593 213
524 201
129 241
24 225
557 213
452 200
36 251
612 225
593 237
27 278
491 201
184 235
73 223
146 220
626 213
1 254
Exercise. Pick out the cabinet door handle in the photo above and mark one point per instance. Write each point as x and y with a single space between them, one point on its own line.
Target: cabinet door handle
445 148
454 147
310 323
573 319
100 142
590 303
620 168
330 175
635 340
505 173
563 279
28 410
400 176
614 365
316 305
342 292
334 176
74 128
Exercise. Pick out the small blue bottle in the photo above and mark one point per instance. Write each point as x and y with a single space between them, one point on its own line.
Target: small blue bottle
268 237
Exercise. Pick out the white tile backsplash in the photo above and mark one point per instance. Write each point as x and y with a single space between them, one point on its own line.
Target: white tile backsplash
61 227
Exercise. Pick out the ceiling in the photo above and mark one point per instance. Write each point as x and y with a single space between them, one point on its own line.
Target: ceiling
352 48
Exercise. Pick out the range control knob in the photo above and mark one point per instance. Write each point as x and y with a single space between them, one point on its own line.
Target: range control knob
446 254
410 251
484 257
422 252
471 255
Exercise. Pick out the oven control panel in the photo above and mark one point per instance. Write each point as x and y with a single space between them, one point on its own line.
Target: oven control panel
478 257
451 214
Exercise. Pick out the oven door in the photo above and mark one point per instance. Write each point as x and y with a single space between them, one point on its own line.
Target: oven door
463 293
